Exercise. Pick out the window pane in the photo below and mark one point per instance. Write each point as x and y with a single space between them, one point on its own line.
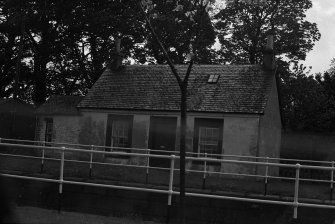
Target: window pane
48 130
208 140
120 134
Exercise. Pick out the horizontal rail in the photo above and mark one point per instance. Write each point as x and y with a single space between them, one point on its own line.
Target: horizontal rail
189 170
29 178
168 157
263 201
160 168
167 151
174 192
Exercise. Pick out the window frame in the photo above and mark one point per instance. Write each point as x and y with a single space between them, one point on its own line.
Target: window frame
204 140
49 131
213 78
207 123
111 121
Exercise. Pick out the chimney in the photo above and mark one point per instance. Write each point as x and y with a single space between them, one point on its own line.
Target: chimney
268 54
117 56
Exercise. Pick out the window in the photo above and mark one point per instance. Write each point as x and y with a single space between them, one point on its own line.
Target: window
208 137
213 78
119 134
208 140
48 130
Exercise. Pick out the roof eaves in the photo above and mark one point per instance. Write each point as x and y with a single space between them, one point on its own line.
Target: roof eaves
171 110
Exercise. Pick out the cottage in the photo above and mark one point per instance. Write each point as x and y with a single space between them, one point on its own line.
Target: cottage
232 110
58 120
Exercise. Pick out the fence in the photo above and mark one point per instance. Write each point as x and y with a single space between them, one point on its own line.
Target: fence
170 191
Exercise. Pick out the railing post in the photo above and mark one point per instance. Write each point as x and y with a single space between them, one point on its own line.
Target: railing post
331 182
266 176
43 157
296 191
173 157
205 172
91 160
147 169
61 178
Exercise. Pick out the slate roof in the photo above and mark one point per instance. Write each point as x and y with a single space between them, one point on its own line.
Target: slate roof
240 89
60 105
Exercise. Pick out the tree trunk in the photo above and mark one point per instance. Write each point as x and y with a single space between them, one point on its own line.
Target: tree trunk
18 62
40 92
252 55
41 57
97 68
183 125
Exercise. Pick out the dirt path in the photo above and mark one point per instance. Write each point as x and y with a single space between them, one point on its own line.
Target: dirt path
33 215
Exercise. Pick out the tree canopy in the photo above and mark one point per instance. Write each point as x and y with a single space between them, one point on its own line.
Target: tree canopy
242 30
178 26
65 43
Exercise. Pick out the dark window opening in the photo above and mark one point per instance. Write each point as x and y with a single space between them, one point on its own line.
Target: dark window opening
162 139
48 131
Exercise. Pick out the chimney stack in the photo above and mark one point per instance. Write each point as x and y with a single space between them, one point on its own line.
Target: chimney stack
268 55
116 56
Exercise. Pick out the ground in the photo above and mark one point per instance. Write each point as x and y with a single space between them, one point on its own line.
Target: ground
33 215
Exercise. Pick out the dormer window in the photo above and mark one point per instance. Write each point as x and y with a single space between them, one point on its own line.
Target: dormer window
213 78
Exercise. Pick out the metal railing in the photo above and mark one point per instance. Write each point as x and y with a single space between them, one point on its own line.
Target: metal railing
204 159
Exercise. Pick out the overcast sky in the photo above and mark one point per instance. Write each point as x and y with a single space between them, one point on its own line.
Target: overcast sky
323 14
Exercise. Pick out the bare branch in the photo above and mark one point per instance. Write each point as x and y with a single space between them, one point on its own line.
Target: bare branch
173 68
188 72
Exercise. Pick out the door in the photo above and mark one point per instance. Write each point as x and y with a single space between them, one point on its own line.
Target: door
162 138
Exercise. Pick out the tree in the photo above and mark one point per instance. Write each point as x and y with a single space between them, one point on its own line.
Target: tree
38 39
243 27
11 41
308 101
193 13
66 44
176 28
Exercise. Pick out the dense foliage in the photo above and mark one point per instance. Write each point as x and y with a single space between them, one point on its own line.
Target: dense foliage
65 43
243 28
308 101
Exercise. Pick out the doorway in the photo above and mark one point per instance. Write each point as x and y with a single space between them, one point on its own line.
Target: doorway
162 138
